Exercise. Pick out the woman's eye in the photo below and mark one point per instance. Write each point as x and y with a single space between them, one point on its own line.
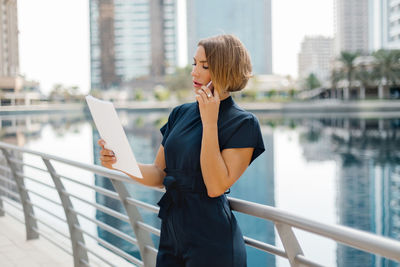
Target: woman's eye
194 64
205 67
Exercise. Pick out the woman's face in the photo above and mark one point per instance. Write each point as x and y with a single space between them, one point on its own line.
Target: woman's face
200 72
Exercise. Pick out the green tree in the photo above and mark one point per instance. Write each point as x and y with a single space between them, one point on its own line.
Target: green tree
312 82
62 93
162 94
387 66
138 95
57 92
364 75
180 80
336 76
347 58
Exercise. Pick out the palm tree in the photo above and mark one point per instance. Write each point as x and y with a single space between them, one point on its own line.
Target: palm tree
336 76
347 58
364 75
387 67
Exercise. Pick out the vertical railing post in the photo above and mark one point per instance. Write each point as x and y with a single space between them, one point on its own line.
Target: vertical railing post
30 221
72 220
290 243
1 207
143 237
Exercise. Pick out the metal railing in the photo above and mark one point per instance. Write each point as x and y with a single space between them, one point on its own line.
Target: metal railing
143 232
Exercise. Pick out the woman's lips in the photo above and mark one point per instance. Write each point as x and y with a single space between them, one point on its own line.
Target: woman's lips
196 84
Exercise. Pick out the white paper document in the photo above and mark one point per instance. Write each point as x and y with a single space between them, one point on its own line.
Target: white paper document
110 129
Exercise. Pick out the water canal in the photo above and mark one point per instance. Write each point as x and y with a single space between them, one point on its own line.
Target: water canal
333 168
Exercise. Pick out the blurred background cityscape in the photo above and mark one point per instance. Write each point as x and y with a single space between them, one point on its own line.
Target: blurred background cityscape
337 165
142 50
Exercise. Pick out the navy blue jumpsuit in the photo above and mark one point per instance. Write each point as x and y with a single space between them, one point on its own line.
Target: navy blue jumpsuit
198 230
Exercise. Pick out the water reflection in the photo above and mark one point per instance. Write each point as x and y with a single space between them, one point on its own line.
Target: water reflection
368 184
364 149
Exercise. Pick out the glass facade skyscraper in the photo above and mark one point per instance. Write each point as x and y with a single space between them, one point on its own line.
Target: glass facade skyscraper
384 24
131 39
248 20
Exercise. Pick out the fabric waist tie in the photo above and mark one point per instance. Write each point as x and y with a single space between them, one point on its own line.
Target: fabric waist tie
178 183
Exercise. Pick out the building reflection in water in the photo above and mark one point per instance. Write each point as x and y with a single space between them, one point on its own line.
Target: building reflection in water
368 178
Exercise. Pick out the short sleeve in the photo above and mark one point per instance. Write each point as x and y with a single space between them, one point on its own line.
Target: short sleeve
246 133
167 127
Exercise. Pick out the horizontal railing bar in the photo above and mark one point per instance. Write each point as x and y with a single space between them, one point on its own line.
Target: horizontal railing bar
113 248
43 197
6 169
100 170
46 211
152 250
6 190
148 228
107 228
102 208
355 238
142 204
307 262
35 167
94 253
50 240
13 216
9 202
7 180
49 226
35 180
98 189
264 247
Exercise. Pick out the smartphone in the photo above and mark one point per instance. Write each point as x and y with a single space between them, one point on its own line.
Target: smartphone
210 86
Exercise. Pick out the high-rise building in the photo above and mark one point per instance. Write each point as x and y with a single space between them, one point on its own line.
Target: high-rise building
250 21
131 39
367 25
9 57
384 24
393 34
315 57
352 25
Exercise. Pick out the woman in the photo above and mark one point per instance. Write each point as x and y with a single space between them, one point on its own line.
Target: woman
206 147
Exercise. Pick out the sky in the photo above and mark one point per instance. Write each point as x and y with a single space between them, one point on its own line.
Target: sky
54 37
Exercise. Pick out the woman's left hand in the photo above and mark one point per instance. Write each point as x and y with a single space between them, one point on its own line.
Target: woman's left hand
208 105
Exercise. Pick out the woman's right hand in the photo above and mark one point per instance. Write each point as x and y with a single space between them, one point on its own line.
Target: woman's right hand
107 157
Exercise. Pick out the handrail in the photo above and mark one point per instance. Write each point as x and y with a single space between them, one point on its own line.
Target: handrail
284 221
386 247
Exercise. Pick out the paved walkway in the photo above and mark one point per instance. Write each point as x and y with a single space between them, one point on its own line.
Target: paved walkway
16 251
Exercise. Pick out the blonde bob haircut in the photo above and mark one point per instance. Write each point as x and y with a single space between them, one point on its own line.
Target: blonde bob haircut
228 61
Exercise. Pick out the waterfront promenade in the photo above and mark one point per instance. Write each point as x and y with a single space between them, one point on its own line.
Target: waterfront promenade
329 105
15 250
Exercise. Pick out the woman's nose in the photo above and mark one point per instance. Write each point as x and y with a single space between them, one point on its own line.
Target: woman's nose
194 72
